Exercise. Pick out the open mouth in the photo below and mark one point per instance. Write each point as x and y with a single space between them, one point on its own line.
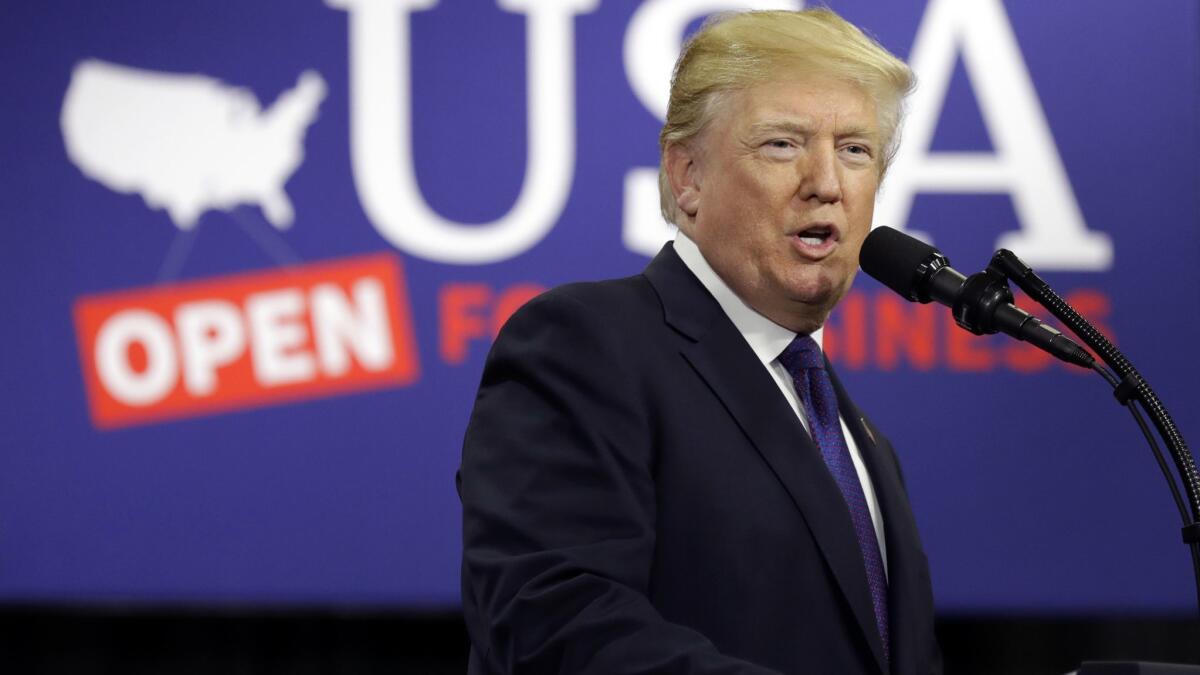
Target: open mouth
816 235
816 241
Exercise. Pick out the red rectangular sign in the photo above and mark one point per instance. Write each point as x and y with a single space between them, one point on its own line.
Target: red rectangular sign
246 340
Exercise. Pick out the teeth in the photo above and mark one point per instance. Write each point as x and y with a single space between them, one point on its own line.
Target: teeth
812 241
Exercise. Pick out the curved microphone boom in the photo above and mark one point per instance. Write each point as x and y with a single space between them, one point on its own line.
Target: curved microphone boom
982 303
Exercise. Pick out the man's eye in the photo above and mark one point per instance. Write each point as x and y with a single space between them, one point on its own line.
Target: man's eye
780 148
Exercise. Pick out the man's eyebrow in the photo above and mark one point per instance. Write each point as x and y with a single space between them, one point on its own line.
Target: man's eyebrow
857 130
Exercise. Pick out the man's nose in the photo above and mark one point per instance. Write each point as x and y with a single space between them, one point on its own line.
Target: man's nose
820 175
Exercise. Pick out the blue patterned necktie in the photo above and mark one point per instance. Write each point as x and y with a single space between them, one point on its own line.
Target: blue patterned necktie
806 365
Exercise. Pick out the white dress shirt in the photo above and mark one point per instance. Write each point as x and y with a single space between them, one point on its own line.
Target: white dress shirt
768 339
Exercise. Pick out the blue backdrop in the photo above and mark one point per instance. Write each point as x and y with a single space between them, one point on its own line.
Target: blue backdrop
1033 489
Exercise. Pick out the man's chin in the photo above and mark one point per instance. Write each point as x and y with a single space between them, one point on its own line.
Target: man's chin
804 315
818 295
811 307
820 290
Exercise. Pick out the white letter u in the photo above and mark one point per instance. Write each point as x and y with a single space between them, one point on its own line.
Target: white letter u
381 132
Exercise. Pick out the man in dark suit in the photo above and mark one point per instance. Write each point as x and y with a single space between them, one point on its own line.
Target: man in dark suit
661 473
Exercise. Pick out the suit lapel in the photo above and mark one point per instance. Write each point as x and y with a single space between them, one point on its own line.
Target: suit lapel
720 355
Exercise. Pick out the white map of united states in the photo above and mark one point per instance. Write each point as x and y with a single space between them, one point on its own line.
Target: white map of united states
187 143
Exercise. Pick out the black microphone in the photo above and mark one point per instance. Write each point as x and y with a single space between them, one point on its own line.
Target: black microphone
981 303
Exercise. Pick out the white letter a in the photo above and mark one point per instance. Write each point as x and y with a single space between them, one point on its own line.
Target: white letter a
1026 163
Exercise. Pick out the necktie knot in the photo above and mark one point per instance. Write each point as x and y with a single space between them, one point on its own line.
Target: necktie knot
801 354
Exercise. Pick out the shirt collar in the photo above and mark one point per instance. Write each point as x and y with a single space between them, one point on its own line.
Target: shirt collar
766 338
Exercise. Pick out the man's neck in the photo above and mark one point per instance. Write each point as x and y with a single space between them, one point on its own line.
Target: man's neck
766 337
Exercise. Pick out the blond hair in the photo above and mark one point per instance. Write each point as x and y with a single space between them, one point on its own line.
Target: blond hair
736 51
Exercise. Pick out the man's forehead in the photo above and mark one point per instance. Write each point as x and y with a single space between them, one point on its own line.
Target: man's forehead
804 103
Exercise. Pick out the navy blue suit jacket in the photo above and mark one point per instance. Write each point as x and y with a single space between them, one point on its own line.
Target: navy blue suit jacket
639 497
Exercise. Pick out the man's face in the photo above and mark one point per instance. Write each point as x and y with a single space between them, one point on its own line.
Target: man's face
780 189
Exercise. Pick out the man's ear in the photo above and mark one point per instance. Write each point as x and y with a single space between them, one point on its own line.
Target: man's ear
682 174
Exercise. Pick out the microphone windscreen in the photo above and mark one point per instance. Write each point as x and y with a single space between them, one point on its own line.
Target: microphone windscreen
894 258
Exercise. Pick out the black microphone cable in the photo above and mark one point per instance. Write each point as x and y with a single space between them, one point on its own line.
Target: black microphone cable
921 273
1131 381
1162 465
1128 386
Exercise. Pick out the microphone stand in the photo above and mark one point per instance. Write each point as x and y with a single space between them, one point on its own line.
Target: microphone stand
1129 387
